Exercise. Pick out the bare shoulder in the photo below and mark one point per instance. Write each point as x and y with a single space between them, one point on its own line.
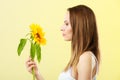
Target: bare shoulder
84 66
86 56
85 59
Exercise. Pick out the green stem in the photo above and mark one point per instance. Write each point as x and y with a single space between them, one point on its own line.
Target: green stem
33 73
27 34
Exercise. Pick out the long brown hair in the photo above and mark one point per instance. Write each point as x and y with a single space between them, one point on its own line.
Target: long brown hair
85 35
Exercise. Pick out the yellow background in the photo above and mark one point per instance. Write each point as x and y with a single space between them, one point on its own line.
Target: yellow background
17 15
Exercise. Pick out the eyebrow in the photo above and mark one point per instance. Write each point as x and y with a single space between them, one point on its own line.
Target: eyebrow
65 21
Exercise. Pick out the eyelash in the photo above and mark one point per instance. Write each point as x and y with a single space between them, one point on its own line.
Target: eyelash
66 24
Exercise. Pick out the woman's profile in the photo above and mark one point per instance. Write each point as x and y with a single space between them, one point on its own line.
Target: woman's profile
81 29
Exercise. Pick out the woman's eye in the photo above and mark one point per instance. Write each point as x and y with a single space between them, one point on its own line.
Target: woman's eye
66 23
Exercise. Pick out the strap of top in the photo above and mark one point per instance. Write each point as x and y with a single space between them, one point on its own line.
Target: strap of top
95 61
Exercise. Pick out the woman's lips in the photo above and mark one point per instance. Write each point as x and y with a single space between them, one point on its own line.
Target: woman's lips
63 34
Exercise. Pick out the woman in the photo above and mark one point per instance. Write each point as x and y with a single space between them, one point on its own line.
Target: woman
80 28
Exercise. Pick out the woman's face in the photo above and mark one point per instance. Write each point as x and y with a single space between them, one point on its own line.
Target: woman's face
66 28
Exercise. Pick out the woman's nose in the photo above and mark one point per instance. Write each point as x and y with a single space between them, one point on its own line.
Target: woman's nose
62 28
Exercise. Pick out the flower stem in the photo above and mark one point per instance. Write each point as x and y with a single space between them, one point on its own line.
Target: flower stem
33 73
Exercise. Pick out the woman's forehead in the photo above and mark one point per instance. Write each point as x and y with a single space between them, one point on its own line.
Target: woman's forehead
66 18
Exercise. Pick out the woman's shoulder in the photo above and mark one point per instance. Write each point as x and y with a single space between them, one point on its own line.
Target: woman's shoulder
87 55
84 66
86 58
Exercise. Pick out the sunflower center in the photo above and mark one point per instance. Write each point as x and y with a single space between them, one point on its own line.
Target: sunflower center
38 36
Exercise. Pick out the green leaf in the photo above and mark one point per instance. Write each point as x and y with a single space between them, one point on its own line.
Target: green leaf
31 37
21 45
32 51
38 52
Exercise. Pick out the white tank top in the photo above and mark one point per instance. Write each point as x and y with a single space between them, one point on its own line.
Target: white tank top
68 74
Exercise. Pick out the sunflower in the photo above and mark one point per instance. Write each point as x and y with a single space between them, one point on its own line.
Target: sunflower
38 34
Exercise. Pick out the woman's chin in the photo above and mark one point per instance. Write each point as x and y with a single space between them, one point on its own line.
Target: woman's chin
67 39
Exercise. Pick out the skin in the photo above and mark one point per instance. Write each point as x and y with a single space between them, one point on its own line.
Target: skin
32 64
84 67
66 29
